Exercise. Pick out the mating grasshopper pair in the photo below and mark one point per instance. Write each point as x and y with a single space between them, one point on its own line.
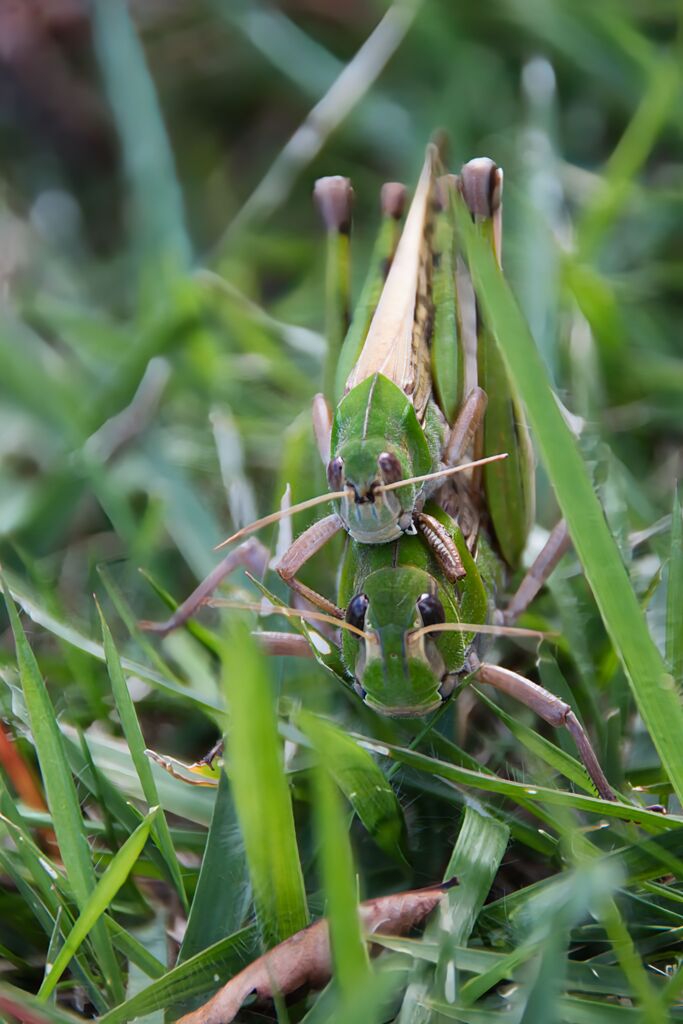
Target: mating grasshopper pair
419 574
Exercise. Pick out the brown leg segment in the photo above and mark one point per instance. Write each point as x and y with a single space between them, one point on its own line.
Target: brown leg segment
557 544
442 545
251 555
304 547
553 711
466 425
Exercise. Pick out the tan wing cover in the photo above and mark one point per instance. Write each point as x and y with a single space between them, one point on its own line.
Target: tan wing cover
397 341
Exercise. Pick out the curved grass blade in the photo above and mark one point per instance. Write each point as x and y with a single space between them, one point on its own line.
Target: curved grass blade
674 595
261 793
61 795
104 892
653 686
222 895
191 978
361 780
136 745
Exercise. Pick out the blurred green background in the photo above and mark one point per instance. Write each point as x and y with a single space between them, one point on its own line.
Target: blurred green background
161 319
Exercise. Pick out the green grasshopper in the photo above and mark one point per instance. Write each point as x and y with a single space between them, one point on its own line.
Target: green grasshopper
409 610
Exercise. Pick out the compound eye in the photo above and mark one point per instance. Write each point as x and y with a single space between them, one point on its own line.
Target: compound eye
390 467
431 610
355 612
335 473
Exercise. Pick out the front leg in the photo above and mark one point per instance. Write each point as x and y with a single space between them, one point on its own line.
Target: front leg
304 547
557 544
553 711
442 545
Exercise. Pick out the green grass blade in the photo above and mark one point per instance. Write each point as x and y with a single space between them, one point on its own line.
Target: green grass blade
104 892
61 795
25 1007
519 790
653 686
674 595
262 798
193 977
159 221
349 953
222 895
482 842
136 745
361 780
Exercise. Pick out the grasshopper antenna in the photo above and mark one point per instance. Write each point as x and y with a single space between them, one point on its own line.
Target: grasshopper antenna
293 613
472 627
321 499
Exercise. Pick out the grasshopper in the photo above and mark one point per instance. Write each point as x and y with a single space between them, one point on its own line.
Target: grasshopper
410 610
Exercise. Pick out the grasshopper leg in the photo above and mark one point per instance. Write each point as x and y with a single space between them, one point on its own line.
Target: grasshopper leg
289 645
466 425
552 710
322 426
251 555
304 547
442 545
557 544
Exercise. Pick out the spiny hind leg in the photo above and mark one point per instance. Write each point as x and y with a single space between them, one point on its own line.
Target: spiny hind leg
553 711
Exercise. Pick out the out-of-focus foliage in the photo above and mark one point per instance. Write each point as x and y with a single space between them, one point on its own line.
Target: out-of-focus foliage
161 319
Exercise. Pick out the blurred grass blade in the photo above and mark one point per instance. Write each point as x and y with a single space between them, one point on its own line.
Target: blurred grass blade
61 795
104 892
222 896
25 1007
159 221
361 780
349 953
261 793
136 745
674 595
653 687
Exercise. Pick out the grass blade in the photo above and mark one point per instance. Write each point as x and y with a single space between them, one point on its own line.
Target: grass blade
104 892
653 686
674 595
361 780
262 797
222 895
61 795
136 744
349 953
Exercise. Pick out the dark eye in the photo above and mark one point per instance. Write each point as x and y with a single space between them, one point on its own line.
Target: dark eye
355 613
431 610
335 469
390 467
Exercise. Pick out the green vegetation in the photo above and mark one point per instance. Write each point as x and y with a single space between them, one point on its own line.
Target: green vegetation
161 338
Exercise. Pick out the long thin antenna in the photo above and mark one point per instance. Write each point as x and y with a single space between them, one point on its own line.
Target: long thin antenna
275 517
320 499
472 627
450 471
294 613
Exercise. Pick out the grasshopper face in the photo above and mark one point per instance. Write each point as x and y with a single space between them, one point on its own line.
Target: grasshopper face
372 516
397 673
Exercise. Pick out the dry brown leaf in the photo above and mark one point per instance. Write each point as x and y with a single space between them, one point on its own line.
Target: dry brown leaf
304 962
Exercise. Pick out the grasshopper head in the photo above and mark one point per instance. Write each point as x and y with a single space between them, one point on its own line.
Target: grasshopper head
372 516
398 674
